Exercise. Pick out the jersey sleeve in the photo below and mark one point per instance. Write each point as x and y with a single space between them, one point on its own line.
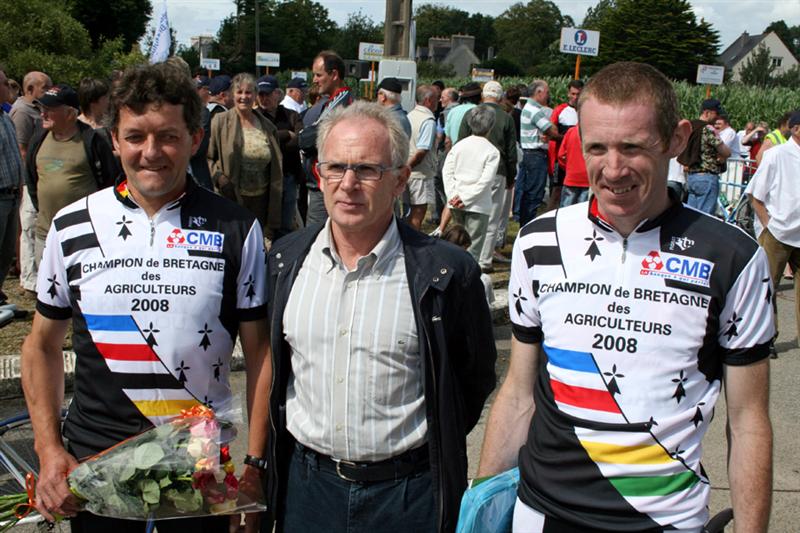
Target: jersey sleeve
760 184
526 324
251 297
427 134
746 323
52 288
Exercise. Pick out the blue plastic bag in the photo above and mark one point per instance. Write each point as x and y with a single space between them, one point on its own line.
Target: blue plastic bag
489 506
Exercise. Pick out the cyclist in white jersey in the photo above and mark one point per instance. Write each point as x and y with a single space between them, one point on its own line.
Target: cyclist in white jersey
628 313
157 276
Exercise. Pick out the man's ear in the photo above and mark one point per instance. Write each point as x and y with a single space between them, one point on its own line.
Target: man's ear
402 180
679 138
114 140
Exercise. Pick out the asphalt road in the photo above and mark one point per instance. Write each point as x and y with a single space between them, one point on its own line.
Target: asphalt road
783 404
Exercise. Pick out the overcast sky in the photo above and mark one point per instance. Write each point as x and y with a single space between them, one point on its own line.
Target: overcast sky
729 17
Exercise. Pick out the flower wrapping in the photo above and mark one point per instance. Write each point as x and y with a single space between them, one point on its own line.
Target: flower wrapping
175 470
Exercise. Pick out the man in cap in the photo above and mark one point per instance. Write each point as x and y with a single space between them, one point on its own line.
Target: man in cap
202 82
389 93
220 97
503 136
25 115
295 98
704 158
288 124
67 159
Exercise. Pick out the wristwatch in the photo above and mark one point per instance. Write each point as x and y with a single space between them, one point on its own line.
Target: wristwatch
258 462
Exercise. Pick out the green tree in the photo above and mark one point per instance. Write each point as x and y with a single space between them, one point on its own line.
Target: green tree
758 68
40 35
789 79
106 20
525 31
438 21
358 28
663 33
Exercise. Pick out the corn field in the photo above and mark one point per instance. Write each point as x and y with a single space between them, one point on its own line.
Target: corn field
742 103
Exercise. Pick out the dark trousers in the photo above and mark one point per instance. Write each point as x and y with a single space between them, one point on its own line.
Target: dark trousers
318 500
529 188
9 211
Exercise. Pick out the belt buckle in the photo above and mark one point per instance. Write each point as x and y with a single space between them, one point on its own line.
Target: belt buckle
339 470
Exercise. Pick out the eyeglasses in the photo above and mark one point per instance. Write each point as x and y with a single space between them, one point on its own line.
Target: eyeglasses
333 171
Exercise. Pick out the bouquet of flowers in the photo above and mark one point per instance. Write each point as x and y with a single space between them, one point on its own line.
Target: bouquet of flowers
175 470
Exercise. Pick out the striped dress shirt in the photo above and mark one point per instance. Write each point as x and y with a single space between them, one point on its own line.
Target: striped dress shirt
10 160
356 391
533 122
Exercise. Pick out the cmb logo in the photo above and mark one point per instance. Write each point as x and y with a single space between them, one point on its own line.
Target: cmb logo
207 241
677 267
580 37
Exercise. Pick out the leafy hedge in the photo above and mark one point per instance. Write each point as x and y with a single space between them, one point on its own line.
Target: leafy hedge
742 103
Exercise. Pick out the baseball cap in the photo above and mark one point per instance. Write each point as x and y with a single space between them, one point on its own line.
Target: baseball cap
58 95
493 89
267 84
794 119
391 84
202 81
297 83
219 84
712 104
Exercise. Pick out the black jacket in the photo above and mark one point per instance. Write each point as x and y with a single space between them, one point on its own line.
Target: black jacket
457 348
99 154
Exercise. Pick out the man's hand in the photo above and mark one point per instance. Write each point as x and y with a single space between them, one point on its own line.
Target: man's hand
251 486
52 491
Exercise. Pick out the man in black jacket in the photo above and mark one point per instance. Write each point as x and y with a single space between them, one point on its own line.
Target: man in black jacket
288 124
383 350
66 159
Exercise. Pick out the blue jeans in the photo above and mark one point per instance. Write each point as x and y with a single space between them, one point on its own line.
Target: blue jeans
573 195
703 192
318 500
529 189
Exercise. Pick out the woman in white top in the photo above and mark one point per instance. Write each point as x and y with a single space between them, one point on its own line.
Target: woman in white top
468 173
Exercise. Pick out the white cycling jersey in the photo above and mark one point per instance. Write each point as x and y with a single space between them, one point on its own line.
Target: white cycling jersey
634 333
155 305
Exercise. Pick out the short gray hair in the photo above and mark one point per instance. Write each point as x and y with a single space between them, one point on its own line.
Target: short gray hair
481 120
243 78
363 110
390 95
424 92
536 86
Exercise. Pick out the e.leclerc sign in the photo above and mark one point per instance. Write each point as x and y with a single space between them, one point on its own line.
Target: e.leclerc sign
581 42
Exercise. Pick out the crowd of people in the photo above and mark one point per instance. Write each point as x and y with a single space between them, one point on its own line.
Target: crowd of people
165 215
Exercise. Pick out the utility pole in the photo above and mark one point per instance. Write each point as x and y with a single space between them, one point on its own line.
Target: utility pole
258 36
397 29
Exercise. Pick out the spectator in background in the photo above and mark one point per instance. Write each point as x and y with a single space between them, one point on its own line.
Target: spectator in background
469 172
570 159
198 163
468 97
422 155
220 98
704 157
564 117
93 99
458 235
25 115
447 101
746 136
288 124
775 137
202 82
11 96
295 98
503 137
728 135
389 94
245 157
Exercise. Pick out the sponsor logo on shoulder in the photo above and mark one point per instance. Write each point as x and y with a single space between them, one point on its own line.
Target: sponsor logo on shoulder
199 222
206 241
677 267
681 243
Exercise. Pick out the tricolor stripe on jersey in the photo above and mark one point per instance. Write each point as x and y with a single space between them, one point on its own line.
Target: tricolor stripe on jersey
123 346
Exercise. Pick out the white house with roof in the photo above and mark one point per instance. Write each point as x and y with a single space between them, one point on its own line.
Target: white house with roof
737 54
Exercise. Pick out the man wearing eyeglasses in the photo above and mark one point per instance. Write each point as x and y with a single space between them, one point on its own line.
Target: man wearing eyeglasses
383 349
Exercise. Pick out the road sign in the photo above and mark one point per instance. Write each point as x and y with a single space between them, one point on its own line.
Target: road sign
580 42
370 51
209 63
482 74
268 59
710 74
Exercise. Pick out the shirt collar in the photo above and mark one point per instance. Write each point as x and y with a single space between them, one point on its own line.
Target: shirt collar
122 194
643 226
379 258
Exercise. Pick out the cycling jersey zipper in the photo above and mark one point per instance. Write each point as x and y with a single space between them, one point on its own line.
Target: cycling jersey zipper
624 248
152 232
